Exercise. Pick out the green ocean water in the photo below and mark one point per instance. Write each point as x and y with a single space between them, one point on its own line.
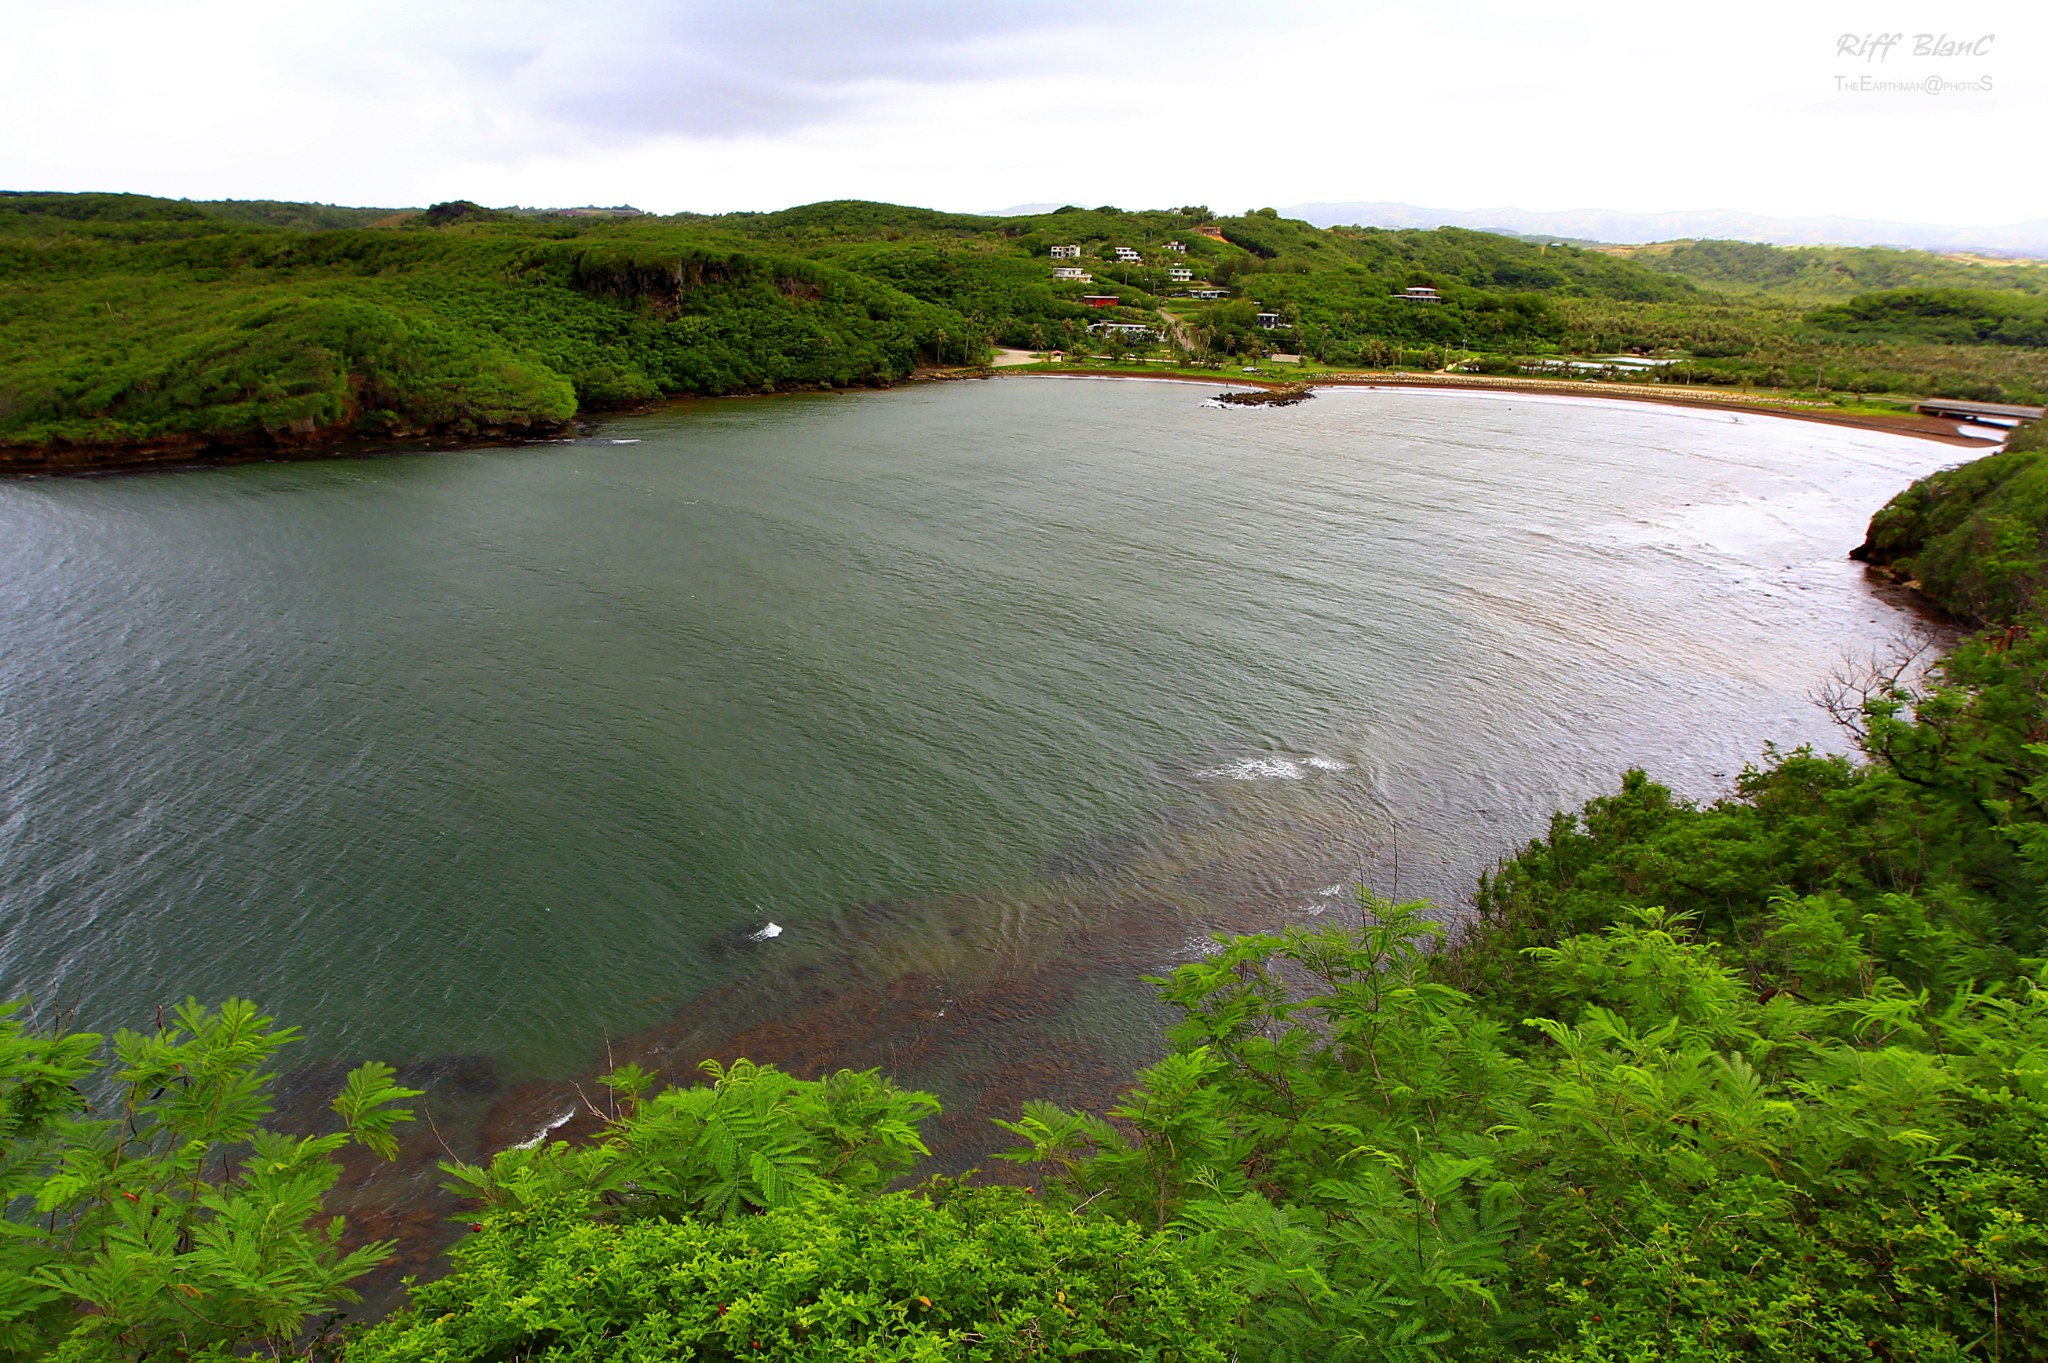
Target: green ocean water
501 753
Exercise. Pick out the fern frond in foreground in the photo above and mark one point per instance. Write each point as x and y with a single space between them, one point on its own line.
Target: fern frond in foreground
163 1219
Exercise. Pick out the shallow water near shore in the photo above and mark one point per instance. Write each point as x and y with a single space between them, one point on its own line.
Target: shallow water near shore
992 696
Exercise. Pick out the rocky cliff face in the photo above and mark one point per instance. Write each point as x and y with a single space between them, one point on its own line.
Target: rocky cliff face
659 284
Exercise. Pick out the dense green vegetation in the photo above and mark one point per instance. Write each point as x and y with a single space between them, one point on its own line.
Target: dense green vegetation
270 213
749 1215
1762 1078
129 323
1897 322
950 1274
1816 272
126 328
1972 538
148 1211
1943 315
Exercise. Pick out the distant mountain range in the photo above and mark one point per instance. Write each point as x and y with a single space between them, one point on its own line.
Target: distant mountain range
1592 224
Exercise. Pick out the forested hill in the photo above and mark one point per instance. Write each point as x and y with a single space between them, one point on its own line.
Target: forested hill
128 322
1223 248
1829 271
133 327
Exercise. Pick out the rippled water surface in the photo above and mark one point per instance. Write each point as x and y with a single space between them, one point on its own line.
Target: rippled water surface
500 753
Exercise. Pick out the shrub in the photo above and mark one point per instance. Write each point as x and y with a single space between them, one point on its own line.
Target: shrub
167 1221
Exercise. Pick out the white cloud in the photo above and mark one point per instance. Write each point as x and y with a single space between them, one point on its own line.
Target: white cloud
978 105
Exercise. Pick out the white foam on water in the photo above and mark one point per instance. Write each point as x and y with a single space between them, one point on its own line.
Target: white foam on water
548 1130
1255 769
1332 891
771 930
1270 769
622 442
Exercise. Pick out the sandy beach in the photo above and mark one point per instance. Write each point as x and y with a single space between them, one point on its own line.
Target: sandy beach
1901 423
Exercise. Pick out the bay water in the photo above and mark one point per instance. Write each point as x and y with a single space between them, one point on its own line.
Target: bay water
512 753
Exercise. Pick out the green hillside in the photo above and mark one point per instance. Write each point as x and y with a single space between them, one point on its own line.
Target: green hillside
133 326
130 322
1973 539
1816 272
309 217
1953 316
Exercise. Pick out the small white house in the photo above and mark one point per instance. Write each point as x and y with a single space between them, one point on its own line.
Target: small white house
1180 274
1072 272
1211 294
1418 294
1178 248
1129 256
1130 331
1269 320
1066 253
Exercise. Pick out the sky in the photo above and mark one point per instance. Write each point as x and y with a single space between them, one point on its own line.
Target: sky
1790 109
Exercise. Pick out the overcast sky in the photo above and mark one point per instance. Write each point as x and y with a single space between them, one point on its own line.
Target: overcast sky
973 105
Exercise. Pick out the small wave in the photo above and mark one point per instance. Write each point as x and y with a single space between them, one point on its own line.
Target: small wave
546 1131
633 441
1255 769
766 932
1269 769
1332 891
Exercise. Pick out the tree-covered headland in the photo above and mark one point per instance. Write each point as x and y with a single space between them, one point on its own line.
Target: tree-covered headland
132 326
1760 1078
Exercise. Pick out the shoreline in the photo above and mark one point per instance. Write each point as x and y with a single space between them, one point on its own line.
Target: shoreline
76 461
176 455
1903 423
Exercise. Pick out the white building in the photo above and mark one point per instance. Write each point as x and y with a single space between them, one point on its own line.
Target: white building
1269 320
1180 274
1072 272
1126 254
1066 253
1418 294
1178 248
1209 293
